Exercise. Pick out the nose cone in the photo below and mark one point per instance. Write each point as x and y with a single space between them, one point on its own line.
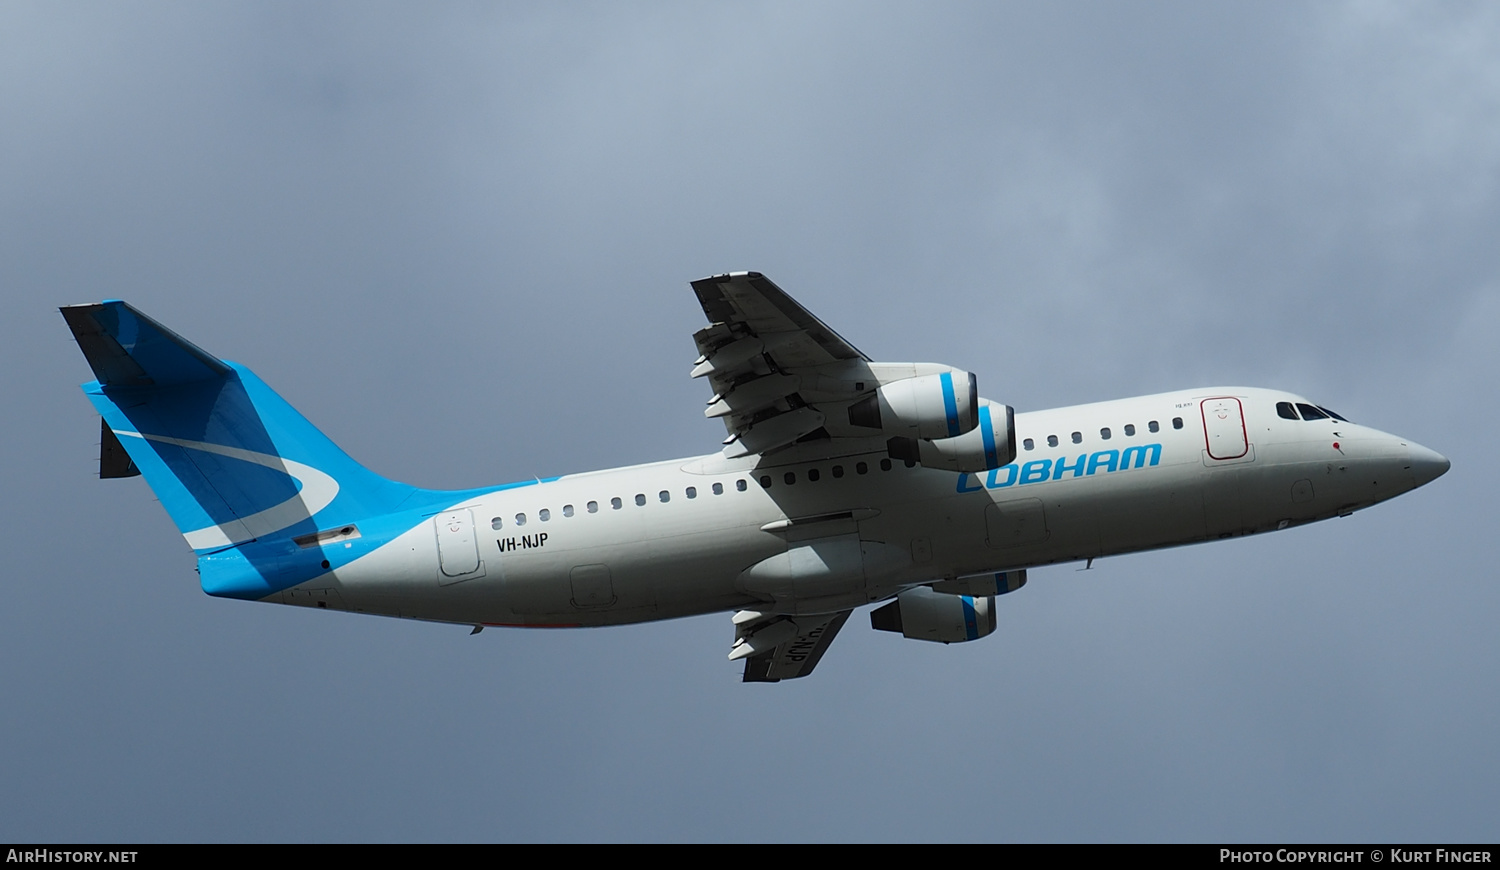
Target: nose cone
1426 465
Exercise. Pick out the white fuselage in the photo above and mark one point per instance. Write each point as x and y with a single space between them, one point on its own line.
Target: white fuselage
701 535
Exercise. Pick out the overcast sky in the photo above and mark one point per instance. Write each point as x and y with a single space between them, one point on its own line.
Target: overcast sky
458 237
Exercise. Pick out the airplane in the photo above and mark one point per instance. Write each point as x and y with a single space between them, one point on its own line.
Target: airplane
842 482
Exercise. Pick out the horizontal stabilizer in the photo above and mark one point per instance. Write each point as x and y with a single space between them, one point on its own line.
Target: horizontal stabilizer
114 461
125 348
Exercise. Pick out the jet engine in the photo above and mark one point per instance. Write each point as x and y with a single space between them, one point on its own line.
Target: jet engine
991 444
928 406
922 614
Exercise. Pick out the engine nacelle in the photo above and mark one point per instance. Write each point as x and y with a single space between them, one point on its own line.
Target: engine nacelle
991 583
922 614
991 444
930 406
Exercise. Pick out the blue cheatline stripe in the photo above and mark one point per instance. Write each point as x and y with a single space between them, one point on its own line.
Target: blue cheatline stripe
950 402
987 431
971 622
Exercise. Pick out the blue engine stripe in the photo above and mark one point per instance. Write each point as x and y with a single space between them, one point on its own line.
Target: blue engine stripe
950 402
971 620
987 431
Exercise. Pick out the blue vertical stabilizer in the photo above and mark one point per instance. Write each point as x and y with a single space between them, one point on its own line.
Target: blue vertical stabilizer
234 465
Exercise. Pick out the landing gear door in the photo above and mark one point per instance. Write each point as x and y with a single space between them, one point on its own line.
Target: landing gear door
1224 428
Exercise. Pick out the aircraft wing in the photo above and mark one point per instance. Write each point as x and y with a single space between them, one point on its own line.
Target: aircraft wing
781 378
799 644
766 357
749 304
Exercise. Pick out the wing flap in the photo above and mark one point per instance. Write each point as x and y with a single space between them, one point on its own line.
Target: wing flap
760 348
799 654
774 433
753 395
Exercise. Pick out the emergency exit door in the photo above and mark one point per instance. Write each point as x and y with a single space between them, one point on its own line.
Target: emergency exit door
1224 428
458 546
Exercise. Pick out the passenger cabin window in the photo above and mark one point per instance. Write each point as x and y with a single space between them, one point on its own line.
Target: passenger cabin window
861 468
790 478
1028 444
1176 422
616 503
838 471
640 499
692 492
664 496
1285 411
567 510
544 515
1129 430
496 523
1104 433
765 481
1051 442
1077 437
1153 426
718 489
740 485
520 519
812 475
593 507
1311 413
885 465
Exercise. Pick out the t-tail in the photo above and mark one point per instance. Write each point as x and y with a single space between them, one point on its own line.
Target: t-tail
263 497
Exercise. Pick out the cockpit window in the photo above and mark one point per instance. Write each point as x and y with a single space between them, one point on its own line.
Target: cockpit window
1285 411
1310 413
1337 417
